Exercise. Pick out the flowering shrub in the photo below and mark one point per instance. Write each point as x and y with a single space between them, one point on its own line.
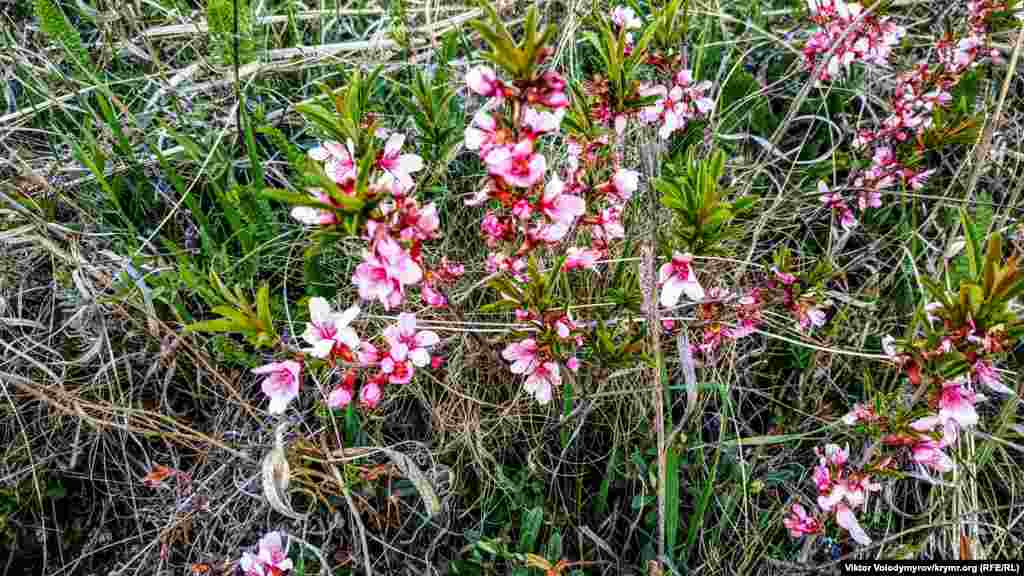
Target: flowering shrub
553 222
919 117
965 334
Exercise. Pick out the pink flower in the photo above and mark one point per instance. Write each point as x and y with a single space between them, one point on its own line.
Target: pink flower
625 182
678 277
384 273
809 316
560 206
988 376
540 122
860 413
928 423
822 477
432 297
427 222
493 228
929 453
675 106
573 364
522 355
799 523
484 82
340 397
397 367
853 491
340 160
313 216
609 224
540 382
522 209
271 559
327 330
695 93
399 166
368 354
518 166
956 403
834 455
576 257
370 395
563 327
482 134
550 93
500 262
748 315
624 17
404 338
846 519
785 278
668 109
834 201
281 384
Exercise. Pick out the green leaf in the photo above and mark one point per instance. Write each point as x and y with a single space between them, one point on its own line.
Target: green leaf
974 256
672 504
553 553
220 325
263 307
529 529
322 118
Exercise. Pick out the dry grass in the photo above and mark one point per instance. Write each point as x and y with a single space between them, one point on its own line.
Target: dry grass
100 385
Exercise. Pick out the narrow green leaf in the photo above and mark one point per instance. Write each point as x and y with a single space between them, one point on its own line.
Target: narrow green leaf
219 325
529 529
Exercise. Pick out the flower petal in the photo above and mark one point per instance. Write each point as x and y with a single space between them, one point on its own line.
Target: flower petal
319 310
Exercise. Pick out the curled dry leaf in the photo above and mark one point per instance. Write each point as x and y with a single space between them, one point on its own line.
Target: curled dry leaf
277 476
689 374
411 471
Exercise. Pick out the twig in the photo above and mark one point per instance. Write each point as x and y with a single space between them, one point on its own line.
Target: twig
648 285
981 152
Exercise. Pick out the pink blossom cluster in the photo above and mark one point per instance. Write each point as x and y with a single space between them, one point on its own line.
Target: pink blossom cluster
537 358
896 143
407 348
952 401
840 492
838 205
532 207
393 260
714 313
676 104
977 44
333 340
728 316
921 437
625 19
270 559
806 307
846 35
530 212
